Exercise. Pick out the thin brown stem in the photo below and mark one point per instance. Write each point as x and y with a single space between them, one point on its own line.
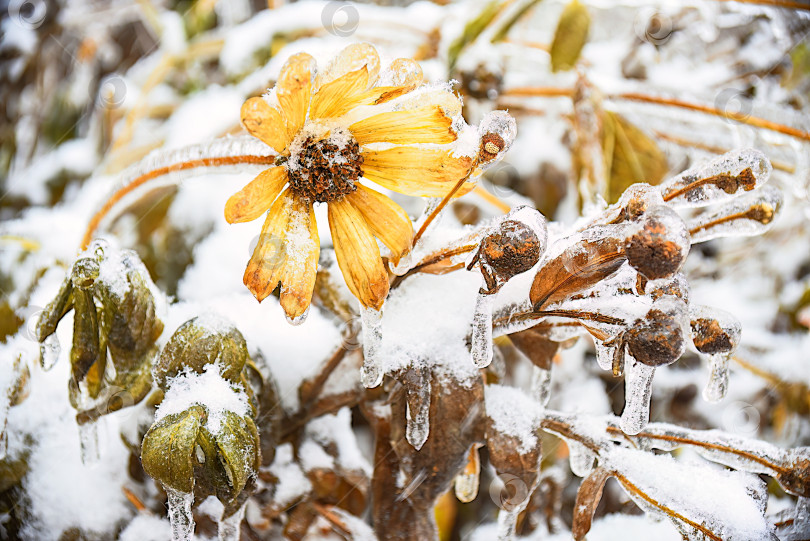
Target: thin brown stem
161 171
630 487
433 259
440 207
311 390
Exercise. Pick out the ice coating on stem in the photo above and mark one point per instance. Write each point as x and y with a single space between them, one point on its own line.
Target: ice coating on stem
228 527
481 348
417 413
637 393
372 372
718 180
88 437
746 216
717 385
49 352
180 516
580 458
507 521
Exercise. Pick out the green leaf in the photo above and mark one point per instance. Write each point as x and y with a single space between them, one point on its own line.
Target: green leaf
630 156
570 36
238 444
472 30
504 30
169 446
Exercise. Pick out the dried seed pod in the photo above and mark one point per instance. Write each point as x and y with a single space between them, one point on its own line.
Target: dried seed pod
632 204
512 249
498 130
657 339
660 245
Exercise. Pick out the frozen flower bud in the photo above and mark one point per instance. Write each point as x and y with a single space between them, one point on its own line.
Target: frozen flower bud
115 318
632 204
748 215
204 451
676 286
513 248
657 339
199 342
714 330
498 131
660 245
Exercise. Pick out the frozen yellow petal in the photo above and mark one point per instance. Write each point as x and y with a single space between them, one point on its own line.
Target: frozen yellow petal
422 172
402 76
351 58
449 103
293 90
358 255
287 253
337 97
422 125
387 220
256 197
265 122
302 248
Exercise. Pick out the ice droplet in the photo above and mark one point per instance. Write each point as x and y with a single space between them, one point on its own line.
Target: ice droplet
297 320
541 385
372 372
229 526
49 351
481 347
180 516
637 393
580 458
717 385
467 482
417 413
88 439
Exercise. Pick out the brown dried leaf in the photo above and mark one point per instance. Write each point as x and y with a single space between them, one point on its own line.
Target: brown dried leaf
588 497
535 344
577 268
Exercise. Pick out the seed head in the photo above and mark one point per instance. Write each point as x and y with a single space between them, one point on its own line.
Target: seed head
656 339
514 248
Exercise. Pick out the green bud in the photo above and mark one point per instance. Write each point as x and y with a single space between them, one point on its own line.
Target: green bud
199 342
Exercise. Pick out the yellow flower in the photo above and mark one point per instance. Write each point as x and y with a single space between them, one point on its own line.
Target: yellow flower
330 130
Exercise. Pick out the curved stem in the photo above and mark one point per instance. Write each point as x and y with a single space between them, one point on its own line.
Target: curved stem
441 206
92 226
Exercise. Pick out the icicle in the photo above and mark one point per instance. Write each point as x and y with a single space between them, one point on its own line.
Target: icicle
637 392
604 354
541 384
88 438
717 385
482 330
417 412
229 526
180 516
580 458
801 522
466 483
507 521
3 444
49 352
372 372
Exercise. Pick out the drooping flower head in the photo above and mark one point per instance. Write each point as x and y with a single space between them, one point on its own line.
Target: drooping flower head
330 130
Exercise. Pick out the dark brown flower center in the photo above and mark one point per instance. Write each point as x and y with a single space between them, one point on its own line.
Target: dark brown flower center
325 169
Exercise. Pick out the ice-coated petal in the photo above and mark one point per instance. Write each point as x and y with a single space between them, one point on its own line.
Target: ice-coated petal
422 125
287 252
421 172
337 97
449 103
350 59
256 197
266 123
387 220
357 254
402 76
293 90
